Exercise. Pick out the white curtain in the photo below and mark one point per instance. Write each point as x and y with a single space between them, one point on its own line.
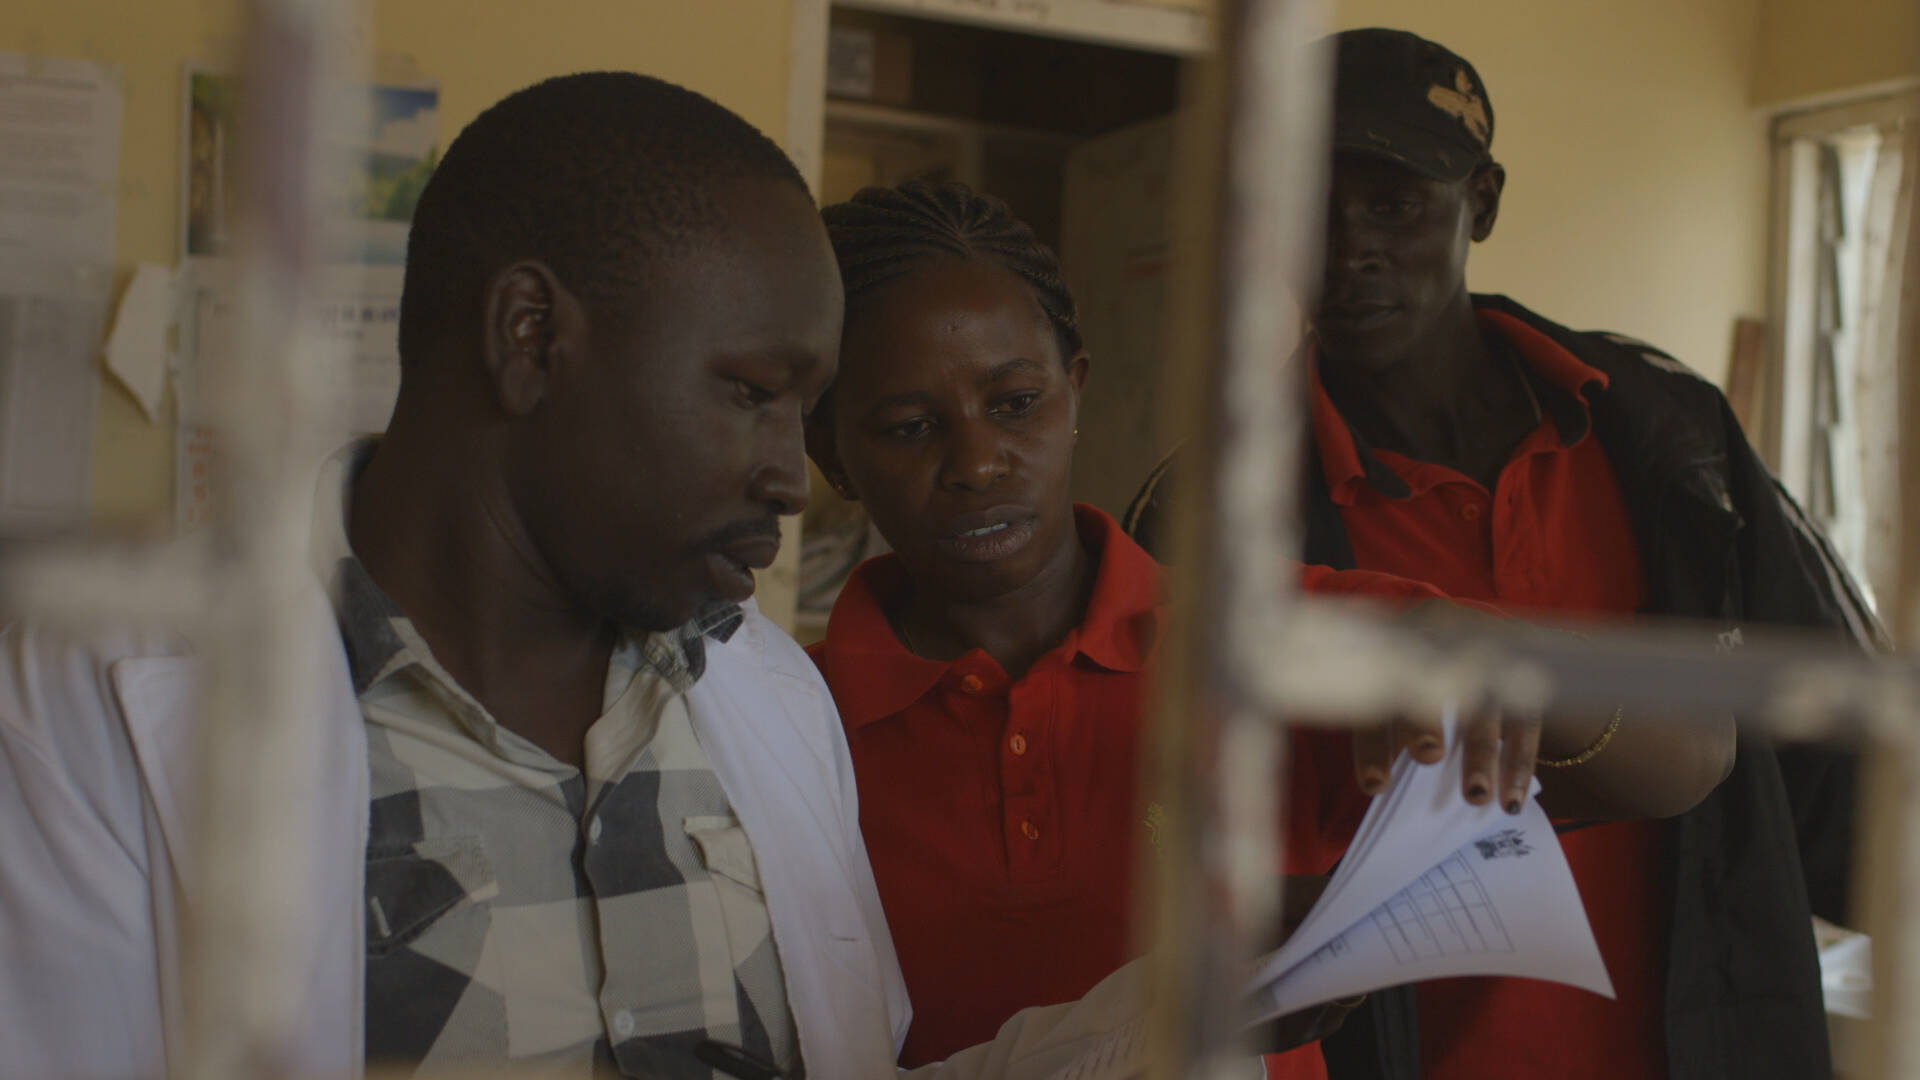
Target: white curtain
1887 308
1865 309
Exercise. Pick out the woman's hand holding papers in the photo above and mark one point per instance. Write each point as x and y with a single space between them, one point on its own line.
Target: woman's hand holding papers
1605 765
1499 748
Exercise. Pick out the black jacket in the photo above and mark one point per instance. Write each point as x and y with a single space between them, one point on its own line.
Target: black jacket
1722 541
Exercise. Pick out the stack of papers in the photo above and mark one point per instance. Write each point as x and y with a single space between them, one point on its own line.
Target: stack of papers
1499 900
1431 887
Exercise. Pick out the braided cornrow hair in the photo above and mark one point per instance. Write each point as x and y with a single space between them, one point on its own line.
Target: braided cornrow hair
882 233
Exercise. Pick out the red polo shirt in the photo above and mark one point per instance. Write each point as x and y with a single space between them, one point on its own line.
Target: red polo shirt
1553 535
1000 815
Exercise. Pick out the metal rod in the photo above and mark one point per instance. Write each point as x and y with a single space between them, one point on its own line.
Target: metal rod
1890 850
1345 662
242 981
1254 148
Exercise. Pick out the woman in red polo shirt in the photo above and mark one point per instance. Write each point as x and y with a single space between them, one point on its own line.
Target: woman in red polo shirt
990 670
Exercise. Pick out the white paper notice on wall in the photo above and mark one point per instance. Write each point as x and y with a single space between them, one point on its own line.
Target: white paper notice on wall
59 168
59 159
356 307
50 318
139 349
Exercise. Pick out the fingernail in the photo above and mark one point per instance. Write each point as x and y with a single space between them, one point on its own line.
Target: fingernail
1426 745
1371 782
1513 806
1476 790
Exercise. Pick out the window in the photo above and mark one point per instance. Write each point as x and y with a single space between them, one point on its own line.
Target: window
1847 177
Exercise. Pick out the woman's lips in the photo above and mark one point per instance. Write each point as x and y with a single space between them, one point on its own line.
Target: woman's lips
988 535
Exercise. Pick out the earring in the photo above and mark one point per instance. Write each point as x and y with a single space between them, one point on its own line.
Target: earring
1076 433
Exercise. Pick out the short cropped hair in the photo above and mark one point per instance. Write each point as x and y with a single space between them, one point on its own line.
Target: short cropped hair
595 174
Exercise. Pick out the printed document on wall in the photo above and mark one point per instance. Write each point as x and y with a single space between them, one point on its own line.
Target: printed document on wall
50 322
59 159
356 307
59 166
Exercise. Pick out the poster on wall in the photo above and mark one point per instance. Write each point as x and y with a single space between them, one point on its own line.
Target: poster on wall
389 133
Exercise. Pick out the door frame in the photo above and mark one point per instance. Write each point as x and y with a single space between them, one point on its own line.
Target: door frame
1175 27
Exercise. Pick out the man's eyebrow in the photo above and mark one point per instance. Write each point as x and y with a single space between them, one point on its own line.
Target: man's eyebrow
797 360
786 354
911 397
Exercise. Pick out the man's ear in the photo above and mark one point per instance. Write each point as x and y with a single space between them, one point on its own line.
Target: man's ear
1483 194
532 324
824 449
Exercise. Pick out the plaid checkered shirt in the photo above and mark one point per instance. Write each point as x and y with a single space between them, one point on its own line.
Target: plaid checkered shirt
523 913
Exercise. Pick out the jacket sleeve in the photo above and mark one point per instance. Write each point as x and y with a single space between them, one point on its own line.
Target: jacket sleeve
79 968
1789 572
1149 517
894 984
1790 575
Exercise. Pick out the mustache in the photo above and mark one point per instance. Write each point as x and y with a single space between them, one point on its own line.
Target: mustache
754 528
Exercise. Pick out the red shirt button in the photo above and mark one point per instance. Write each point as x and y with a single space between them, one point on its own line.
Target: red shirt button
1029 830
1470 512
1018 744
971 684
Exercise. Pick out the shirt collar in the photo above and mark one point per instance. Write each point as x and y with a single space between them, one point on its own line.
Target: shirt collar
378 635
1345 460
1560 381
874 676
1125 613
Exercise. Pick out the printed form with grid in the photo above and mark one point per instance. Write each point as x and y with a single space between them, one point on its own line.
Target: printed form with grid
1498 900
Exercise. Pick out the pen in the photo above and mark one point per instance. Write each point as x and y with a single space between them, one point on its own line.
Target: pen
734 1061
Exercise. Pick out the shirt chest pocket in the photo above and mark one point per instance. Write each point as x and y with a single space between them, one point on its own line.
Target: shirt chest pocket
444 883
727 855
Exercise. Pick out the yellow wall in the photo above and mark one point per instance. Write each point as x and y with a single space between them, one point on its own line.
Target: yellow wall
1812 48
478 50
1637 198
1637 169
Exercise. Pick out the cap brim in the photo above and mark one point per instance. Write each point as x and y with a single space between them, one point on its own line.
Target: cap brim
1390 140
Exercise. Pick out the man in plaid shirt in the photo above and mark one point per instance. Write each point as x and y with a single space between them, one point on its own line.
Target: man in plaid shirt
529 566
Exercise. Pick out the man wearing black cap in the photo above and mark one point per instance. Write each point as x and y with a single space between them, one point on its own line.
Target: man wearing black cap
1465 441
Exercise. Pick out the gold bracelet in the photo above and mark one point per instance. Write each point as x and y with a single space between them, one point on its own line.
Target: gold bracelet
1593 748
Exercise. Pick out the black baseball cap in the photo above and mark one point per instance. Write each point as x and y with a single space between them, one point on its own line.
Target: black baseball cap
1399 96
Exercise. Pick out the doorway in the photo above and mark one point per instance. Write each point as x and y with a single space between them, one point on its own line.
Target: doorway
1075 135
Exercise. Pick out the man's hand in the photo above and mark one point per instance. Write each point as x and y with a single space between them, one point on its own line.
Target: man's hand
1307 1025
1499 749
